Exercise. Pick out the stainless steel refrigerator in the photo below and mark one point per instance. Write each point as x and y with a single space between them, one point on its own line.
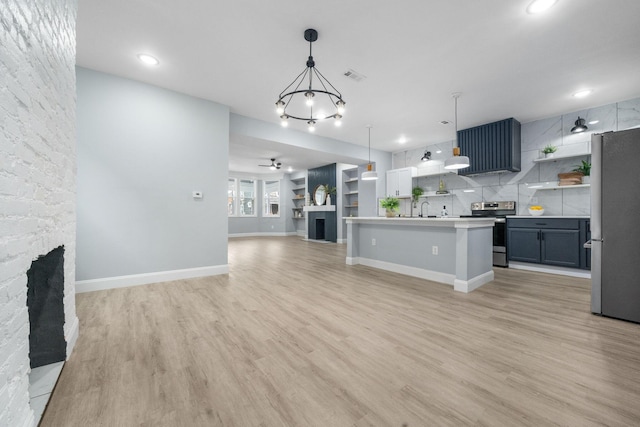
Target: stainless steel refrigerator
615 224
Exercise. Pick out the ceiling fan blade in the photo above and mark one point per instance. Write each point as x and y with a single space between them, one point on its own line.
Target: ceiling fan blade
273 164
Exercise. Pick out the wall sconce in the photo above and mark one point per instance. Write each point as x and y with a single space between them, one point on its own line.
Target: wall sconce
580 126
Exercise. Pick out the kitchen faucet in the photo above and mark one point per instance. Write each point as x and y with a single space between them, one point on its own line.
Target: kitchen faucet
421 205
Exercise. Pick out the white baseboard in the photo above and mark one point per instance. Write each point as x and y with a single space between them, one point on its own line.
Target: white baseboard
342 241
421 273
563 271
146 278
474 283
72 336
265 234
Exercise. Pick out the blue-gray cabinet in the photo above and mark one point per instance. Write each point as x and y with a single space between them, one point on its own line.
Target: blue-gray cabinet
554 241
492 147
523 244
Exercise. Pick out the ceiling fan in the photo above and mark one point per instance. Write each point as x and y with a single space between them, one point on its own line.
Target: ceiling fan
273 165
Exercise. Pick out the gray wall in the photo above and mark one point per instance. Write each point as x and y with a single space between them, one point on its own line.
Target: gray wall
142 150
261 224
367 198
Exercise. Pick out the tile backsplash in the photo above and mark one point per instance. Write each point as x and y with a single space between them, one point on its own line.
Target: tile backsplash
527 186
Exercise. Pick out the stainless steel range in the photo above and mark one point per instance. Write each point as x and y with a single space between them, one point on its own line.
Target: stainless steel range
499 211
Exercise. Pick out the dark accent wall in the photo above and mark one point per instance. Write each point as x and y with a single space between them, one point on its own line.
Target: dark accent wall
45 292
325 175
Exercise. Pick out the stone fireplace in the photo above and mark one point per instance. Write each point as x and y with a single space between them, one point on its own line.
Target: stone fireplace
37 182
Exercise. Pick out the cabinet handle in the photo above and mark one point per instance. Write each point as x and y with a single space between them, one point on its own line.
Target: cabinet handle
542 235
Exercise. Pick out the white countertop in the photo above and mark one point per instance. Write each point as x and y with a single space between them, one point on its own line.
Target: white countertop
551 216
453 222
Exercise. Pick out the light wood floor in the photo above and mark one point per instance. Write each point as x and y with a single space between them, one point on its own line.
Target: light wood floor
294 337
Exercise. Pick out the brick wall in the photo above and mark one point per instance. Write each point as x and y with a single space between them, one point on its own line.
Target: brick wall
37 176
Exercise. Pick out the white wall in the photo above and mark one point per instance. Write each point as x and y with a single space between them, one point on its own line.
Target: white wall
521 186
142 150
37 177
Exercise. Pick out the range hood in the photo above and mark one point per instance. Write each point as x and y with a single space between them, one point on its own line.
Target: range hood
491 148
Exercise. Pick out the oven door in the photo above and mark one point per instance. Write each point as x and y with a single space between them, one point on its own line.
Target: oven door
500 243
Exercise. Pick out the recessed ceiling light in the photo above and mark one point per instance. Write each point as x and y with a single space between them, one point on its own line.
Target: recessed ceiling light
402 140
438 151
593 122
582 93
539 6
148 59
468 191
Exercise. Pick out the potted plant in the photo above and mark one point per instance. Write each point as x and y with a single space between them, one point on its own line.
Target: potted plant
549 150
584 169
329 190
416 192
390 204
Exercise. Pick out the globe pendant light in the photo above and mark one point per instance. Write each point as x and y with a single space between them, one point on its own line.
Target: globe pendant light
370 174
309 100
457 161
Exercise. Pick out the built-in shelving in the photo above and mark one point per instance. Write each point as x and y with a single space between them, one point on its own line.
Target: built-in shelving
434 195
441 171
558 187
555 158
350 192
299 190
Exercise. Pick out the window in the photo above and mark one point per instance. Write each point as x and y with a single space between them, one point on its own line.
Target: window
271 198
232 195
247 192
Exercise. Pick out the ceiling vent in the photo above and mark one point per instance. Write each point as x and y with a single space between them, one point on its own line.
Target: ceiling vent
354 75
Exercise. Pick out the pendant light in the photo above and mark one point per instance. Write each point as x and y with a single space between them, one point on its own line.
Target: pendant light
426 157
309 89
457 161
580 126
370 174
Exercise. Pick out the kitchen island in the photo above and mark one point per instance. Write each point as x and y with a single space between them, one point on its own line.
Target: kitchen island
454 251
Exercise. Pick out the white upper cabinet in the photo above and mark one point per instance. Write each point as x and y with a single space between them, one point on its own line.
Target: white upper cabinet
399 182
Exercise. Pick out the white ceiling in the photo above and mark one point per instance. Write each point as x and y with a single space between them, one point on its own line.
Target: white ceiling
414 53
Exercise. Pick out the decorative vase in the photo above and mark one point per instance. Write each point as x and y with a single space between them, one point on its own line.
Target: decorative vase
328 199
548 155
586 179
389 213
